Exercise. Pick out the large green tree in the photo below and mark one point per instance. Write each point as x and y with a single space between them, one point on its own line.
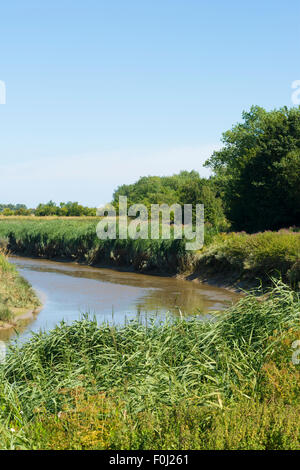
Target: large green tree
183 188
258 170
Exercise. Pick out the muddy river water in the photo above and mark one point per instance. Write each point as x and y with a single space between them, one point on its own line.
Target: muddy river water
69 290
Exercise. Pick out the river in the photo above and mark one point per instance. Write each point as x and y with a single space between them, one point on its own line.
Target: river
69 290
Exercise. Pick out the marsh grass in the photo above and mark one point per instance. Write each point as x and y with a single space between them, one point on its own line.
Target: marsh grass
15 292
175 385
259 256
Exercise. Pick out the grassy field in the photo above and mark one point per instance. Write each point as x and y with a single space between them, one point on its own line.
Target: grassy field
234 256
226 384
16 295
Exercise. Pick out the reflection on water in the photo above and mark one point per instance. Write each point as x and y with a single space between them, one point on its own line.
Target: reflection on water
69 289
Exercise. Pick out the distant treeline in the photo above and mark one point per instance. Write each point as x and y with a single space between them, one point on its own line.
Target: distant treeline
255 185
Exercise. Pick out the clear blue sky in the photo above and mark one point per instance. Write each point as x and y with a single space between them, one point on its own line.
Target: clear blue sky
102 92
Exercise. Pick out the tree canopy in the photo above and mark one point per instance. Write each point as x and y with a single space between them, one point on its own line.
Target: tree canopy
258 170
183 188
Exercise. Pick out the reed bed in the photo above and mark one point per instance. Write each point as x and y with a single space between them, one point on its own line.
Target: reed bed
16 295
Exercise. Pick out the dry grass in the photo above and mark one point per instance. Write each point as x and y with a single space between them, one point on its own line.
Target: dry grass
227 384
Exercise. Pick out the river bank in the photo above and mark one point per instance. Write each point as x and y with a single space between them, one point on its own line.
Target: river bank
208 278
236 261
18 301
230 384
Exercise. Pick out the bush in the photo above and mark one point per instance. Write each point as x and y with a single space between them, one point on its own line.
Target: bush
5 314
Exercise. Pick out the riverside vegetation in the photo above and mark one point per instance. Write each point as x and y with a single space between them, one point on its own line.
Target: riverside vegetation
16 295
255 187
224 384
229 383
235 256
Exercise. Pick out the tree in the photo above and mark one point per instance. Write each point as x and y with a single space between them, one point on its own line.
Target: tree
183 188
258 170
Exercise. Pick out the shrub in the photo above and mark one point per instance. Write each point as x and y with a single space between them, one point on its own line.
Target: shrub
260 255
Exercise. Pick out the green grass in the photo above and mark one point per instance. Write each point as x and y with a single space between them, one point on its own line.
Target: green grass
225 384
77 240
240 255
5 314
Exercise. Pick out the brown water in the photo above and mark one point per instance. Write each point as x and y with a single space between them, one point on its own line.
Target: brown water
68 290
